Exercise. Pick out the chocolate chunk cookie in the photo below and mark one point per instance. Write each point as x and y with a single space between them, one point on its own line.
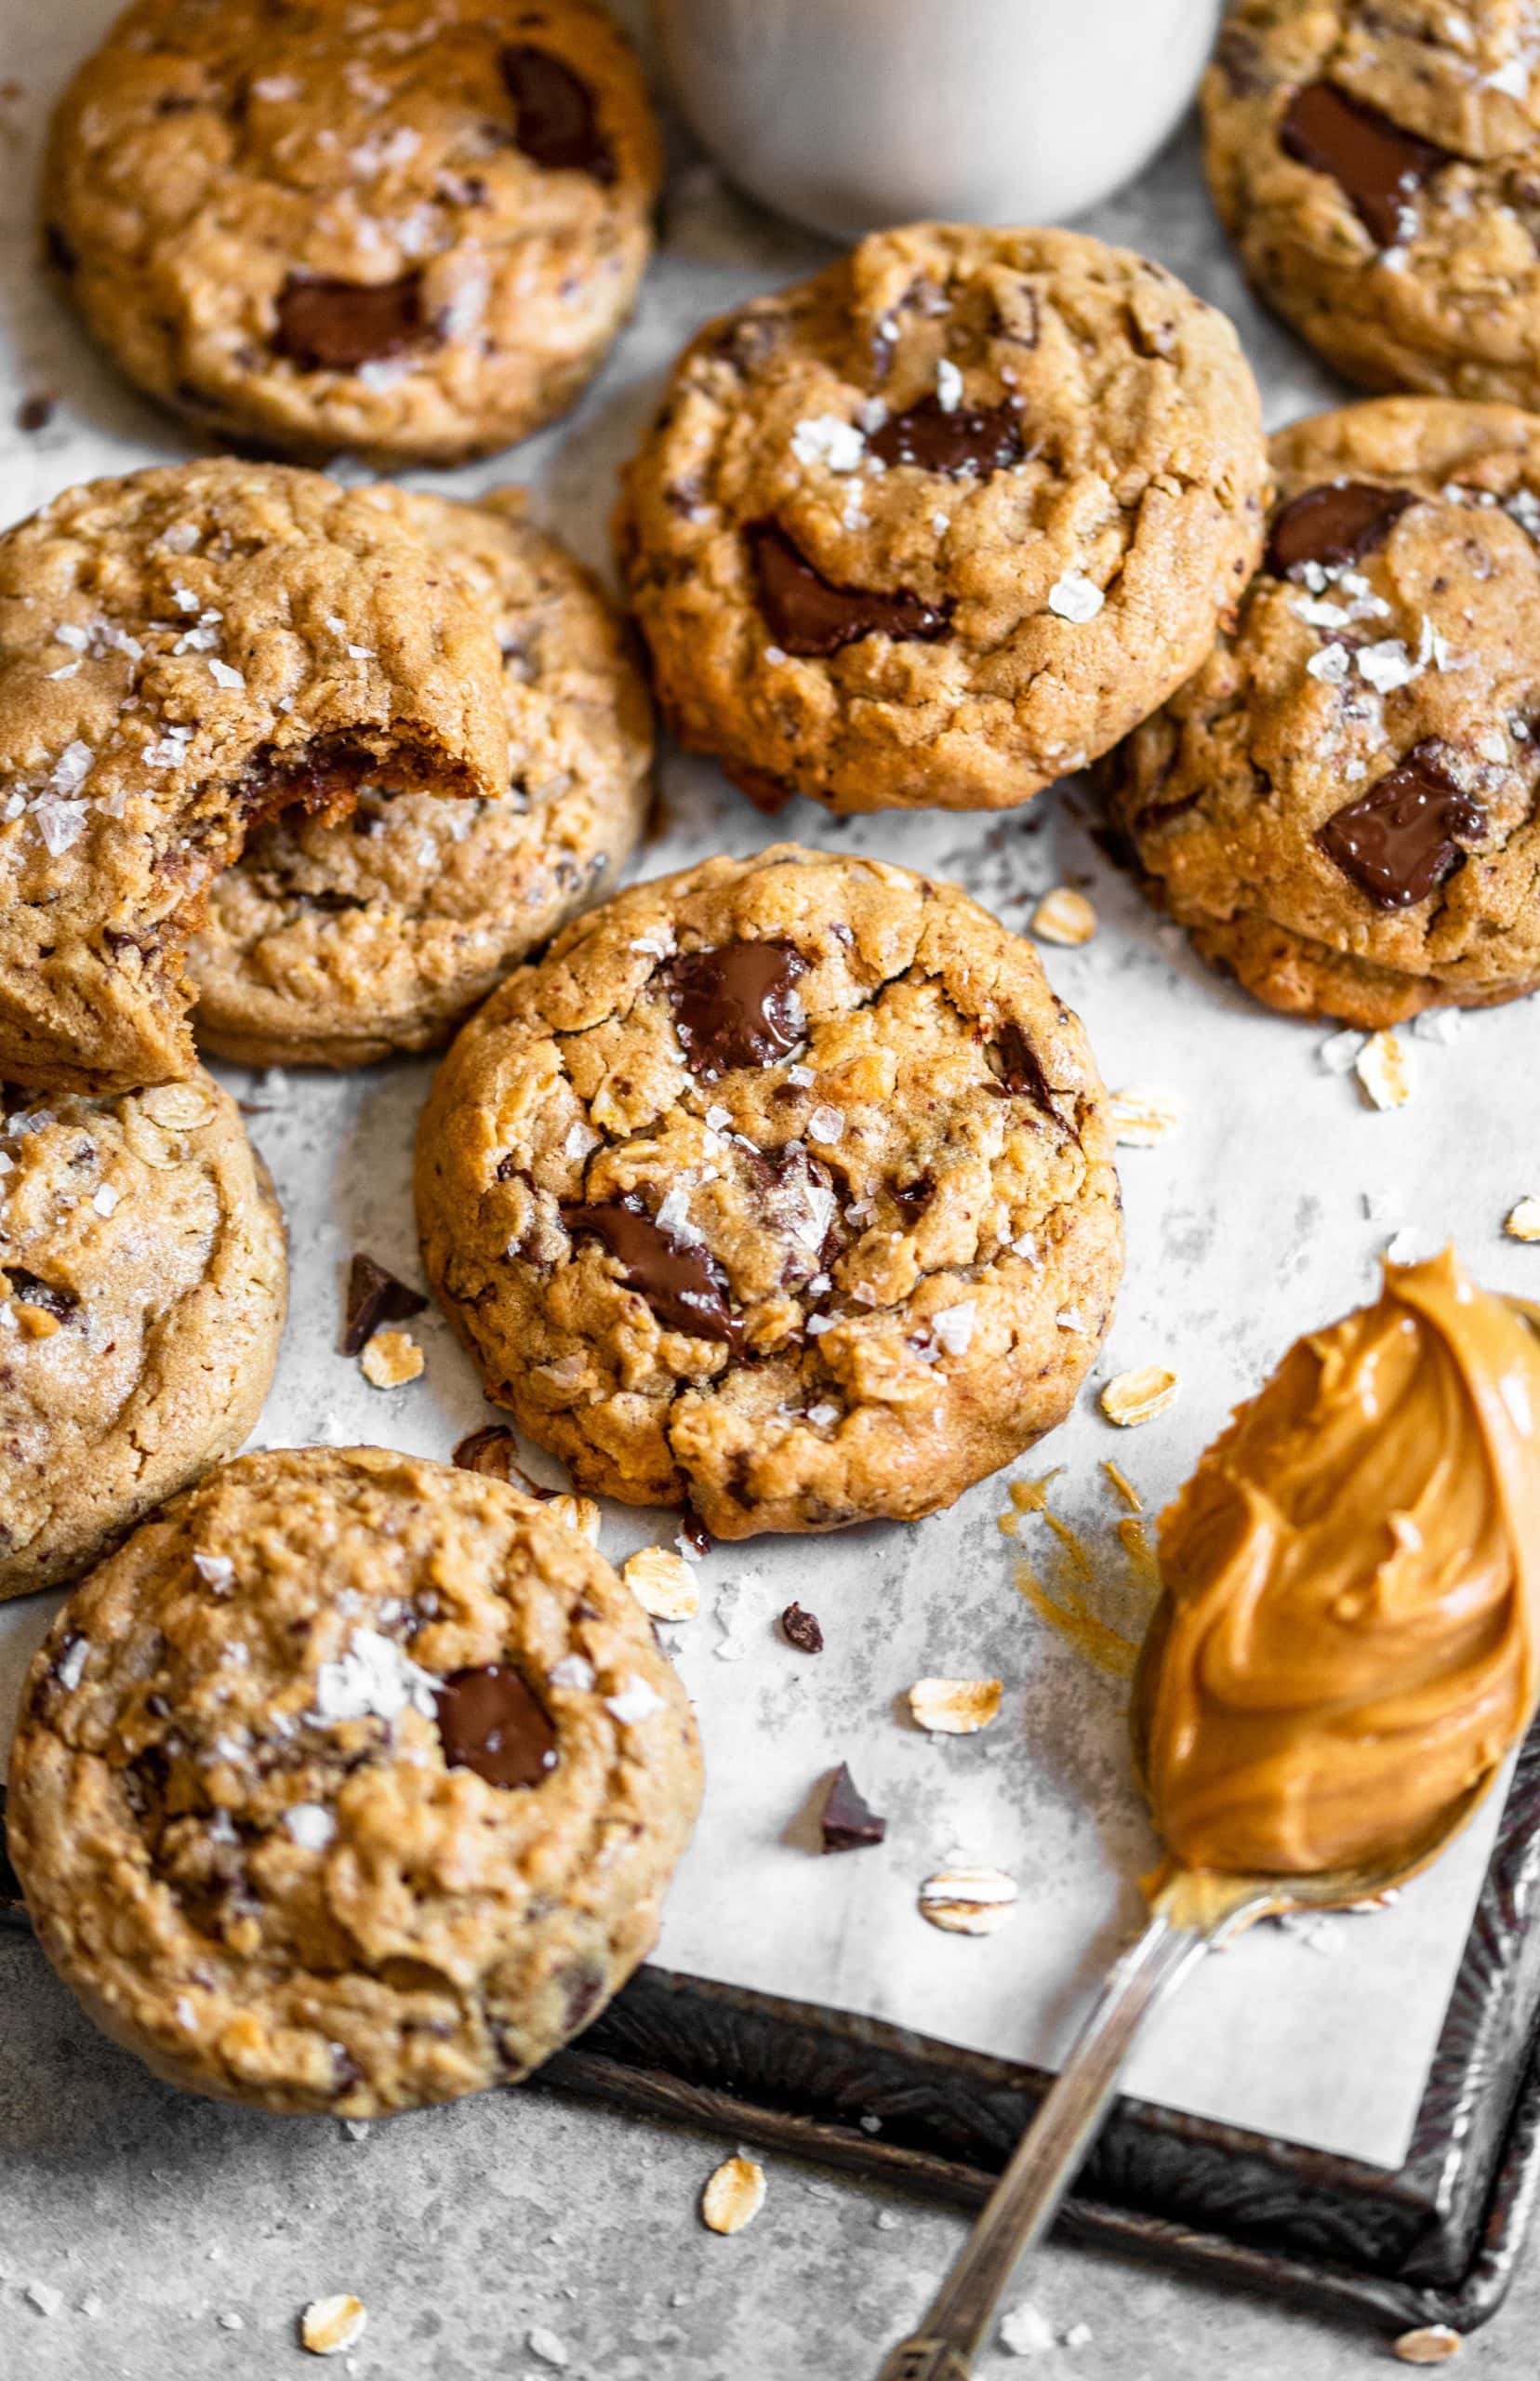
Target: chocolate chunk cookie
413 232
1340 807
351 1782
183 653
142 1284
784 1184
337 944
1378 168
941 524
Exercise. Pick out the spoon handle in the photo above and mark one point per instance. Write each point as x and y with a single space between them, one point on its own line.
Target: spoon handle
1026 2198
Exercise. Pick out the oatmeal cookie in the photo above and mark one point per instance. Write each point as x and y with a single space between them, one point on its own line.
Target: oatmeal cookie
142 1284
336 944
351 1782
411 233
1341 805
784 1185
940 524
1378 168
182 652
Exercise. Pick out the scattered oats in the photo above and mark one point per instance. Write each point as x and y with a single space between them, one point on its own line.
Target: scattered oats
1338 1054
948 385
223 675
44 2296
661 1584
1140 1119
71 1665
635 1701
548 2346
374 1679
329 2325
576 1512
952 1328
954 1707
1523 1221
572 1670
826 439
1023 2332
1138 1396
1078 2336
1431 2344
1381 1069
1064 916
825 1124
181 1107
310 1825
390 1359
968 1900
1441 1025
1075 597
1405 1247
232 2322
1331 665
733 2196
217 1571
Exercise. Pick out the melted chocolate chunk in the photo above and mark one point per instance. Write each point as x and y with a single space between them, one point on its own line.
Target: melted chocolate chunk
802 1629
1339 523
31 1290
735 1005
1379 167
911 1199
375 1296
491 1452
1155 814
681 1280
808 616
490 1722
328 326
848 1822
1021 1070
969 442
1402 838
557 126
693 1530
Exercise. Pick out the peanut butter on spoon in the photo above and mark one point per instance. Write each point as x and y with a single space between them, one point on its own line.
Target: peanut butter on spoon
1348 1642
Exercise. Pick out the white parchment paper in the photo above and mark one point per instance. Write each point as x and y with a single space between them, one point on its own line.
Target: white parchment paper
1247 1226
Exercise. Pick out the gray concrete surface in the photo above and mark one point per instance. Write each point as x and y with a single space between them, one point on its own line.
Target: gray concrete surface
183 2239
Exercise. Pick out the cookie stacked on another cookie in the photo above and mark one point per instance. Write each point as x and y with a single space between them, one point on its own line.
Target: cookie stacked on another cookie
350 1783
942 523
784 1185
1340 805
1378 169
409 232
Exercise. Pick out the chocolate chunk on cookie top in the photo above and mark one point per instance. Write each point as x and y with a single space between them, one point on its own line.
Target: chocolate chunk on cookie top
182 654
781 1190
334 943
1340 805
1379 171
940 524
350 1783
409 232
142 1284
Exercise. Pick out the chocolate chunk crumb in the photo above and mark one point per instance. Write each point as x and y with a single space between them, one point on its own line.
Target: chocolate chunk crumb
36 412
375 1296
693 1530
802 1629
849 1823
491 1452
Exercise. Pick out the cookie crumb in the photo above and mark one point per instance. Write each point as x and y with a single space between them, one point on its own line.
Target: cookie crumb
1138 1396
1431 2344
1025 2332
391 1360
968 1900
329 2325
1381 1069
661 1583
733 2196
548 2346
954 1707
1523 1220
1141 1119
1065 917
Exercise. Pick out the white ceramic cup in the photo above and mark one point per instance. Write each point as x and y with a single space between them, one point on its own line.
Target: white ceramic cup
846 114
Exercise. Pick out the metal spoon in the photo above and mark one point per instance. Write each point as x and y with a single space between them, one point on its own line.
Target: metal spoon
1191 1911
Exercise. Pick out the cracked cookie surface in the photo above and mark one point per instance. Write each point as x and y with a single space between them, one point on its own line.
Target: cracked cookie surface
142 1287
410 233
783 1185
1378 168
337 943
940 524
350 1783
182 652
1340 805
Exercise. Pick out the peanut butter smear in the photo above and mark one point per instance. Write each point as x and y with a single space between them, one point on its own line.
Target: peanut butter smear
1347 1642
